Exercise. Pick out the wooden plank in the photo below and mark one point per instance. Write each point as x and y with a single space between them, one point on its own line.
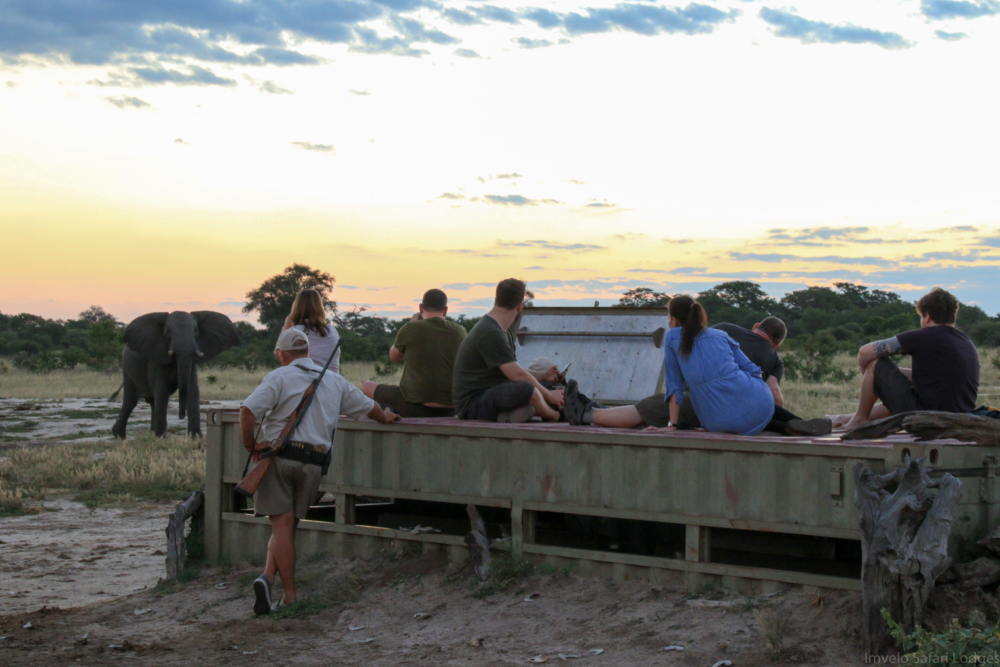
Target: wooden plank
214 488
707 521
345 513
798 578
697 544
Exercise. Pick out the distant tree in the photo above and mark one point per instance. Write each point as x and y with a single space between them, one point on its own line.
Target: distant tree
861 297
273 299
740 294
820 298
642 297
529 298
95 314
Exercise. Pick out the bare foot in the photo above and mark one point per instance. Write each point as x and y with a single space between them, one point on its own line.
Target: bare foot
849 426
838 421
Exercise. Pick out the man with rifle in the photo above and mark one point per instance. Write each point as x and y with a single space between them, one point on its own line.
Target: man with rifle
286 490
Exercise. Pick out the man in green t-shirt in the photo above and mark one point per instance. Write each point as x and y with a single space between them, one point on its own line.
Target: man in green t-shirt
488 383
427 346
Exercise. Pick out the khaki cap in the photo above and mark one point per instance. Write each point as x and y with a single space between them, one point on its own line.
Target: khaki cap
292 340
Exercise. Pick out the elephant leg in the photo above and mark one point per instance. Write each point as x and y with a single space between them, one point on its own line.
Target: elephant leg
130 397
161 397
182 402
193 404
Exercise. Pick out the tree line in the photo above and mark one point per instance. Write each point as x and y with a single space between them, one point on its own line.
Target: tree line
821 322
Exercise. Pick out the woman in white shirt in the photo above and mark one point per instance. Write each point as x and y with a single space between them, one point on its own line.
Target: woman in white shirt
309 316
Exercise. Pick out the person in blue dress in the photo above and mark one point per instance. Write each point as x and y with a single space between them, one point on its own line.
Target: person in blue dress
727 392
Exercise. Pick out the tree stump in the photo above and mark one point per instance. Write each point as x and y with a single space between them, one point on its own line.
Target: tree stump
479 544
931 425
176 544
904 542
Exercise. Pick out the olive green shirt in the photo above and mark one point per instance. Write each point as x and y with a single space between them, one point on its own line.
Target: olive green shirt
429 348
477 366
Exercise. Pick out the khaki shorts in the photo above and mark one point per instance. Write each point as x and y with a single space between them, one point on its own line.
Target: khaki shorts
289 486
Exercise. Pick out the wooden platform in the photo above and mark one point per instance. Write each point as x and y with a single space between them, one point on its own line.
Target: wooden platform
751 511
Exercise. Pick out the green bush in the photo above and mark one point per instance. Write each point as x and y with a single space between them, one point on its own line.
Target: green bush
956 645
811 359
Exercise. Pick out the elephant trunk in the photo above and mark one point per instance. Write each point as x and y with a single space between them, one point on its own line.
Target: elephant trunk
185 367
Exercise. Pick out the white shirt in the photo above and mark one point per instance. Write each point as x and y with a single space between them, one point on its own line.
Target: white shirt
281 390
320 347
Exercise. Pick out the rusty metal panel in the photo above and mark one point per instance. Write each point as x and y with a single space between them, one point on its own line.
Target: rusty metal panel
614 369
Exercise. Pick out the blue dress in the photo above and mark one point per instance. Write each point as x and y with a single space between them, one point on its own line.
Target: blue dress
727 393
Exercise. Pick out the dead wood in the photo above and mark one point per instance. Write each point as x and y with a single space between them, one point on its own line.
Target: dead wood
980 572
479 544
992 542
904 538
930 425
192 508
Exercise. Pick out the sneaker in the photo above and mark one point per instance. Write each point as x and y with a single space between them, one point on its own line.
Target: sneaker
517 415
262 589
574 407
813 427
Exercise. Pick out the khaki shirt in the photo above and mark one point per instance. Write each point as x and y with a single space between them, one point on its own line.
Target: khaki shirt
281 390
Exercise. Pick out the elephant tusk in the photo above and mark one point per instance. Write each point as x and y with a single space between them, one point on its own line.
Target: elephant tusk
199 353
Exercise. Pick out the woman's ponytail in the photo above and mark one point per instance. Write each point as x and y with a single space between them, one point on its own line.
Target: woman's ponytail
692 317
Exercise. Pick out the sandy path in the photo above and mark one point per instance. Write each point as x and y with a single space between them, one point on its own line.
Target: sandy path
70 556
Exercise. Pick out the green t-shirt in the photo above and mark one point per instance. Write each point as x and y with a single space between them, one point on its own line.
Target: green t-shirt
477 366
430 347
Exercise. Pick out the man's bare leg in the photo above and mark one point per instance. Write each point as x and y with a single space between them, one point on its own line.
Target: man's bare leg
542 408
368 389
625 416
281 554
866 402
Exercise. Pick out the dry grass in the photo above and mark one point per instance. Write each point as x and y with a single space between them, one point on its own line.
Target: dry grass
229 383
141 469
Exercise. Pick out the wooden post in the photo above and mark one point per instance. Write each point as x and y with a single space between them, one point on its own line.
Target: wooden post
904 544
345 509
176 545
697 546
479 544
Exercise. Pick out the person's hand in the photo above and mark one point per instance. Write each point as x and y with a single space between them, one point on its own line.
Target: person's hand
258 447
551 375
391 416
561 377
416 317
555 398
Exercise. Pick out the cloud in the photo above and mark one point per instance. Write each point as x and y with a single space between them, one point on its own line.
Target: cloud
644 19
461 287
940 10
310 146
466 53
124 102
952 256
950 36
509 176
369 42
359 93
800 236
179 140
12 84
136 77
957 229
516 200
273 88
528 43
601 204
576 182
551 245
787 24
835 259
450 195
534 268
991 242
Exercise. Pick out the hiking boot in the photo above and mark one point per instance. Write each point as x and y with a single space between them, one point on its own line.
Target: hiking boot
813 427
517 415
262 589
574 407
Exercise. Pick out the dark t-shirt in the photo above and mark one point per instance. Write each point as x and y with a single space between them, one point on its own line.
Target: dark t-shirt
430 347
945 368
477 365
757 349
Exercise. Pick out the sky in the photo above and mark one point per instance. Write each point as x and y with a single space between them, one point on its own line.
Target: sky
173 155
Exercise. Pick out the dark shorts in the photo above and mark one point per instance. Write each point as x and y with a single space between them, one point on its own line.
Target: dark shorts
391 395
656 412
895 389
486 405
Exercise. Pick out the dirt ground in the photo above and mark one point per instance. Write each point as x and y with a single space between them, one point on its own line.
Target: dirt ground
420 610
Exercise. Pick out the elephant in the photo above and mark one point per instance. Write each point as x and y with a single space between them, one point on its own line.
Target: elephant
161 355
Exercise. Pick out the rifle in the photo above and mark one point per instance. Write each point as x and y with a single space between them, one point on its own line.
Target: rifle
248 486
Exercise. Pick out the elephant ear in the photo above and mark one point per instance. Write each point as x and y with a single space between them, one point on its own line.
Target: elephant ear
145 335
216 333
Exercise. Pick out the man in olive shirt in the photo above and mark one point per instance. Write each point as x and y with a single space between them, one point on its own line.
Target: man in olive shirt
488 383
427 346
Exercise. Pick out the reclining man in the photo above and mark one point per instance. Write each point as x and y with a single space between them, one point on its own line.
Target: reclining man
427 346
944 374
488 383
288 488
759 344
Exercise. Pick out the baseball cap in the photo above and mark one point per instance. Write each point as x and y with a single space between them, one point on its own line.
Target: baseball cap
541 364
292 340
